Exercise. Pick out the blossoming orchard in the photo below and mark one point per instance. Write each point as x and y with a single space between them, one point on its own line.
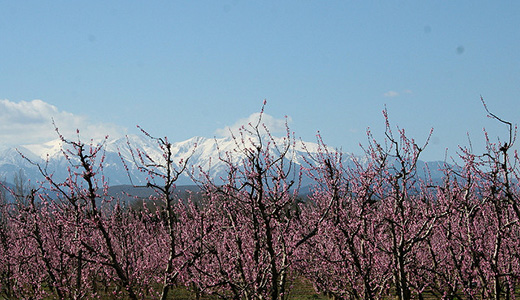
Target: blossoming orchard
374 229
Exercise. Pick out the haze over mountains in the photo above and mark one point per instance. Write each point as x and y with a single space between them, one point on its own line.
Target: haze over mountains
203 155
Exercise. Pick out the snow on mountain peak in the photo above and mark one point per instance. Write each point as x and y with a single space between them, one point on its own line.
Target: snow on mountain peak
203 153
50 148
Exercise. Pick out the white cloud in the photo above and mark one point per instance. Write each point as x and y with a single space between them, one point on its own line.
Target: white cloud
30 122
391 94
273 124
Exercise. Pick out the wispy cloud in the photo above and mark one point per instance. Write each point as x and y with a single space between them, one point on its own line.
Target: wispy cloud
393 94
30 122
273 124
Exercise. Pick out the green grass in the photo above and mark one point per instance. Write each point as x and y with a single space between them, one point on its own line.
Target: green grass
302 290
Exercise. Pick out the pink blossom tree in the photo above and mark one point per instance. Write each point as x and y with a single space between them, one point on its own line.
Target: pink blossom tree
83 233
480 235
342 260
181 244
251 248
383 215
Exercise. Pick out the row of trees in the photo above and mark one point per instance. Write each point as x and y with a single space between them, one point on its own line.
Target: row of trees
367 230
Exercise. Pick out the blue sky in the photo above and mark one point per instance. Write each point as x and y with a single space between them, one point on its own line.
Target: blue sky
190 68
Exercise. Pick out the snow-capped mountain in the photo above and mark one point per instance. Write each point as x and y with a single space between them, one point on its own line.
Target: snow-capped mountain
203 154
121 155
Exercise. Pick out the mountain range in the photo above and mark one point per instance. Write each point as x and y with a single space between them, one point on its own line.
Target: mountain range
203 155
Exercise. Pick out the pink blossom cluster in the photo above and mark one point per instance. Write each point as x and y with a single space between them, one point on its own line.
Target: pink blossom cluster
369 230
